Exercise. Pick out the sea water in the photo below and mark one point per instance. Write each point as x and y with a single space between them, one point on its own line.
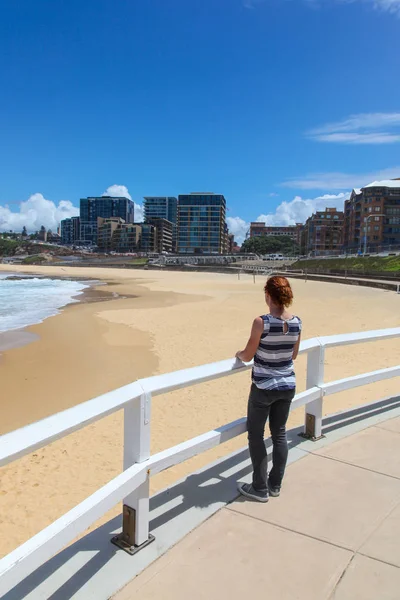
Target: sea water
30 300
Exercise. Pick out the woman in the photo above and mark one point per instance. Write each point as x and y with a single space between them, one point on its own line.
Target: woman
274 343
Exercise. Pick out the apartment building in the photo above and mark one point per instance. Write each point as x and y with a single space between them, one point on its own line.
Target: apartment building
372 217
260 228
164 234
201 223
70 230
114 234
105 207
323 233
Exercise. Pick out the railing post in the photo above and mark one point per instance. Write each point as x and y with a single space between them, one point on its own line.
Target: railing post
315 378
135 523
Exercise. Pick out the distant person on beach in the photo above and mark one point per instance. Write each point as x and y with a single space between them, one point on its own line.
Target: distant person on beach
274 343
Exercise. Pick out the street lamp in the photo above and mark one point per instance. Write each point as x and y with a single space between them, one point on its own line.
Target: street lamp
366 228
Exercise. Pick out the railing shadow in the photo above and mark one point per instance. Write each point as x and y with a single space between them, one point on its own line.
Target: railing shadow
199 490
214 485
211 486
355 415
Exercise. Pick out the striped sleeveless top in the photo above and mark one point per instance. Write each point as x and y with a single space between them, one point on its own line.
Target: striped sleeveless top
273 361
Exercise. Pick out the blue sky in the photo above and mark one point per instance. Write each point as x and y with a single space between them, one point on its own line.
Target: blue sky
264 101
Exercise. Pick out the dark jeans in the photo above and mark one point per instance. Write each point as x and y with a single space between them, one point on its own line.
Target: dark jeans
274 404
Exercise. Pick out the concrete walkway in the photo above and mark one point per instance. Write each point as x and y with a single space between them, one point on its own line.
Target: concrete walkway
334 533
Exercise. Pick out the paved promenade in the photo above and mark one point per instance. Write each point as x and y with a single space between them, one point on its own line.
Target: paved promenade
333 534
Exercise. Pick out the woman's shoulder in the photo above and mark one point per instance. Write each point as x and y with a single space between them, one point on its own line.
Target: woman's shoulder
264 321
297 321
265 318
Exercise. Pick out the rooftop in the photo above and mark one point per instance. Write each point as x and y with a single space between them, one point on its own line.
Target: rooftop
389 183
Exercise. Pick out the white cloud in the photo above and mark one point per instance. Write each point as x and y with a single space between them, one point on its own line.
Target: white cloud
122 191
359 138
35 212
273 195
288 213
139 218
340 181
391 6
360 121
239 227
364 128
299 209
117 190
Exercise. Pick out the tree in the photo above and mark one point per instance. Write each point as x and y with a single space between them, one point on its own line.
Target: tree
268 244
24 232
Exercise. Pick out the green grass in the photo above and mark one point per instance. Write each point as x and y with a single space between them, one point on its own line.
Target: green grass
137 261
369 264
36 259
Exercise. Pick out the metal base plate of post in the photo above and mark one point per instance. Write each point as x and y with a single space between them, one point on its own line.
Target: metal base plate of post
119 540
126 540
309 433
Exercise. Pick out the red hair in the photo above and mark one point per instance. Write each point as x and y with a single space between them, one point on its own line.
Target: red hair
278 288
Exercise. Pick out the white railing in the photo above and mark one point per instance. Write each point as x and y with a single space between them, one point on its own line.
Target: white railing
132 485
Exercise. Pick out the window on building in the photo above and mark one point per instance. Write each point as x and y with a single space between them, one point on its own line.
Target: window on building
376 218
377 208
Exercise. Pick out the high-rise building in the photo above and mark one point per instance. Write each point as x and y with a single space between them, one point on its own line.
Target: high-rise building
225 241
148 242
164 234
70 230
106 207
323 232
201 223
372 217
160 207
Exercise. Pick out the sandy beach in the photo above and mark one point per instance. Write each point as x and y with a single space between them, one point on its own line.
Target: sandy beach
168 321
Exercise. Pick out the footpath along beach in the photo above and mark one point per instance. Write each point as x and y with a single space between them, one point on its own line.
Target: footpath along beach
160 322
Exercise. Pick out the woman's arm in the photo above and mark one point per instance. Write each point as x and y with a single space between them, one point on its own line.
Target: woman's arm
251 347
296 348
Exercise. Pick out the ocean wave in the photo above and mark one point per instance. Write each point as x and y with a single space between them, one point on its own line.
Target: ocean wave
25 302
